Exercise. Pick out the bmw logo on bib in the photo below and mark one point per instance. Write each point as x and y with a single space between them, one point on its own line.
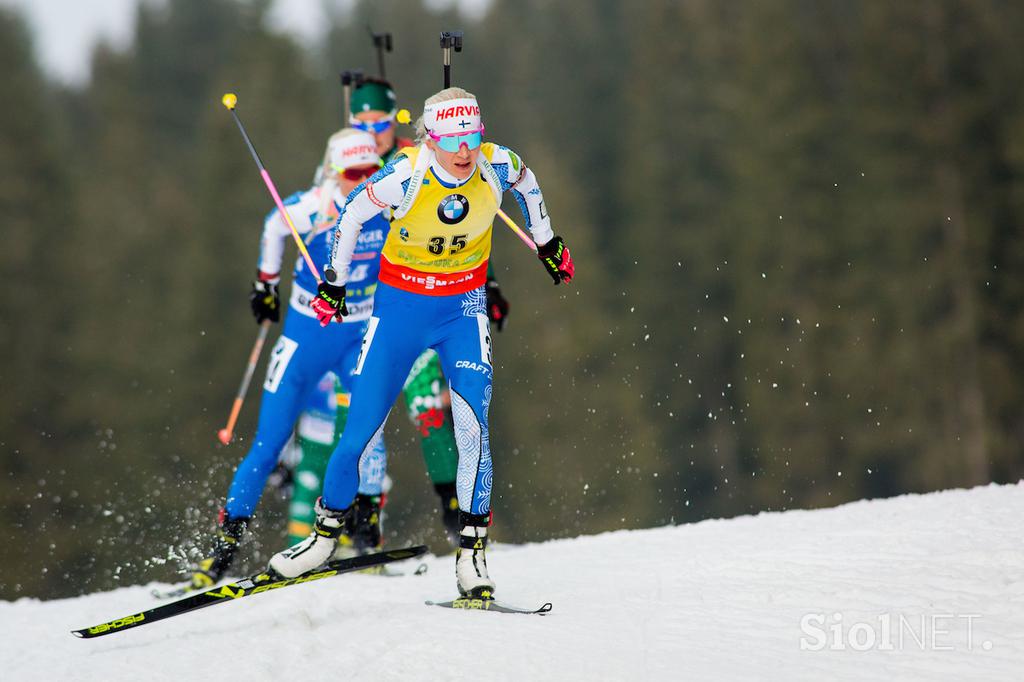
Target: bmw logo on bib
452 209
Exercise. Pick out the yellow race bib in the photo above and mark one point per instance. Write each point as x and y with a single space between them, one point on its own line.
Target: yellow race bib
447 229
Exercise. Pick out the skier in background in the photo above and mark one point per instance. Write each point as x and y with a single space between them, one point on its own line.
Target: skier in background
373 109
304 353
442 197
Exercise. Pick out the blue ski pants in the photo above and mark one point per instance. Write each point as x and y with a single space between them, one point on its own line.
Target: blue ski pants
403 325
302 355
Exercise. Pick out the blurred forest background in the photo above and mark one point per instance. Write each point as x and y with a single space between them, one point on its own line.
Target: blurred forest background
797 226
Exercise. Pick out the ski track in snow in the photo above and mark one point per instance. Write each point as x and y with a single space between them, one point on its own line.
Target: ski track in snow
716 600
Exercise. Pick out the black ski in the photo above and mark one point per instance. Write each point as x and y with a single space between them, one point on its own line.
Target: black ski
474 604
246 587
383 571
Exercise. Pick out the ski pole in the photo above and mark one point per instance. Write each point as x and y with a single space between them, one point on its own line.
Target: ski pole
229 100
224 435
518 230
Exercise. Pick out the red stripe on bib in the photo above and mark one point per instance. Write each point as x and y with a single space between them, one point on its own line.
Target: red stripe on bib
432 283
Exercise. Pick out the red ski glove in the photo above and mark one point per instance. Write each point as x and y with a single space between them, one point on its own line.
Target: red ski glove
557 260
329 303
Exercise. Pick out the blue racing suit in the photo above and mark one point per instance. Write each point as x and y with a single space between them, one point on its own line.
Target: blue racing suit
305 352
431 295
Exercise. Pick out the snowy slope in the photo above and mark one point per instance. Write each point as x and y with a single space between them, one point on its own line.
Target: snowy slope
926 587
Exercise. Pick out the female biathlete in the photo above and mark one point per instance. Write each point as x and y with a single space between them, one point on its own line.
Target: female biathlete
443 197
303 354
373 108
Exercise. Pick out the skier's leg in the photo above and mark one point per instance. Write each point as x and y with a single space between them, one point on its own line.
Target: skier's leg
373 465
394 338
363 522
365 518
316 439
296 363
465 350
465 354
428 405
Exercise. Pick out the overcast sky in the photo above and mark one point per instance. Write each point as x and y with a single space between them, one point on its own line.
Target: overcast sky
65 30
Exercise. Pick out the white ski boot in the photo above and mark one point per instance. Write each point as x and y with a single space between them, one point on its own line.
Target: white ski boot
470 559
361 534
315 550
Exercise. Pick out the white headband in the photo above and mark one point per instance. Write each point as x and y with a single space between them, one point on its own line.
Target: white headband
452 116
359 149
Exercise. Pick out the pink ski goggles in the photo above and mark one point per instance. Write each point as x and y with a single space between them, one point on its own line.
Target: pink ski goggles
452 142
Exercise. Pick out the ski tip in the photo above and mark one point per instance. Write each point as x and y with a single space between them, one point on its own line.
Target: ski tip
471 604
78 633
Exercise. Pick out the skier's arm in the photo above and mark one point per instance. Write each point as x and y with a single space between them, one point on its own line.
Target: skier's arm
272 244
517 178
276 234
264 298
522 183
382 191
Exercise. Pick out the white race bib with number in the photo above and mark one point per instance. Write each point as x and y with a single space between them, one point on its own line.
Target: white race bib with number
282 354
371 329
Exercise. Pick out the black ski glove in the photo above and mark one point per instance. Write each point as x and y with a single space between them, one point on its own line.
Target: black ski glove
497 306
556 260
329 303
265 302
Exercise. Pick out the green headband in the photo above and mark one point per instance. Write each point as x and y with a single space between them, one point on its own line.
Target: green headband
373 97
